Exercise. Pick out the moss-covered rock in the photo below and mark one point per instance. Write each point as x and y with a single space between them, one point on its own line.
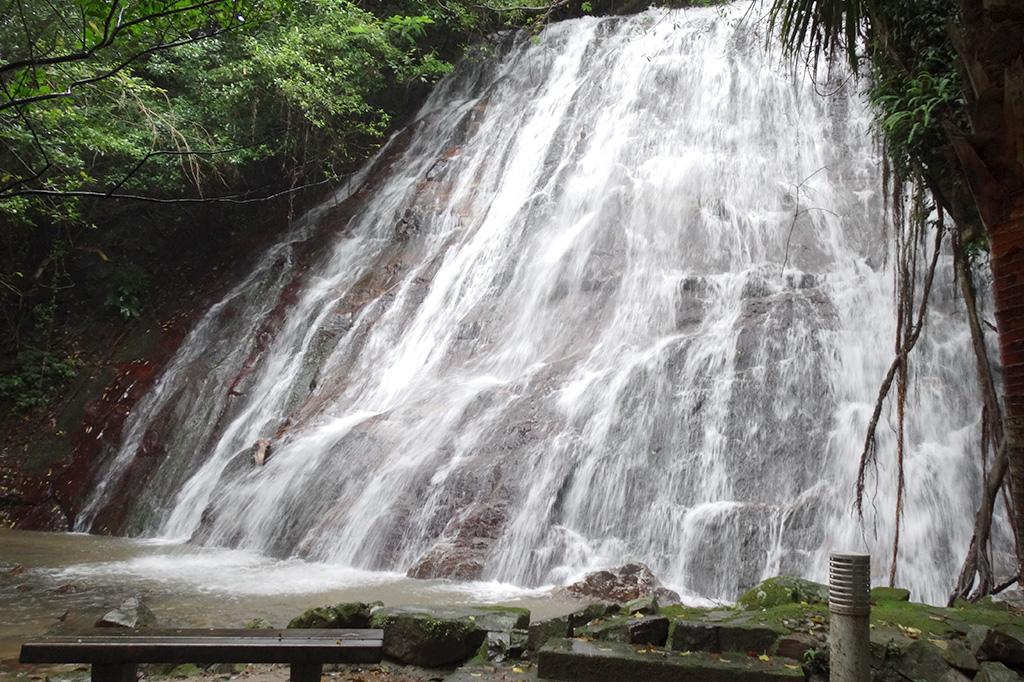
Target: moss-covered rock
318 617
185 670
259 624
783 590
420 637
344 615
879 594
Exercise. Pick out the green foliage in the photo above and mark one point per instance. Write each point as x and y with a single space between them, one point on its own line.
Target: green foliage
40 375
180 99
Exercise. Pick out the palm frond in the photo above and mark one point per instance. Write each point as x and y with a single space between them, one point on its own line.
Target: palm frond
817 28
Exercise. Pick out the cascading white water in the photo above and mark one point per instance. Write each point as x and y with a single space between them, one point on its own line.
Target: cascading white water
620 294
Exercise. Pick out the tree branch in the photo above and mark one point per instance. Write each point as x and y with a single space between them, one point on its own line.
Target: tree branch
231 199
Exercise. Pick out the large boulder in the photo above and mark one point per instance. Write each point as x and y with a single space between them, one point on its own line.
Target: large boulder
132 613
781 590
621 584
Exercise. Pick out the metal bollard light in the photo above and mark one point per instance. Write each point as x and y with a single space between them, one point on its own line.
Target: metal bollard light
849 605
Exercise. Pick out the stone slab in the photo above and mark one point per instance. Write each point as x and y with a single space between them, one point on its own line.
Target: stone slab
575 659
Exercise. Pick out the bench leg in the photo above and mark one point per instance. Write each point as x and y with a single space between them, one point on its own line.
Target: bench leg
306 672
114 672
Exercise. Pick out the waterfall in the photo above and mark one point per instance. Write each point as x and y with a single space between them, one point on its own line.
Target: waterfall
620 292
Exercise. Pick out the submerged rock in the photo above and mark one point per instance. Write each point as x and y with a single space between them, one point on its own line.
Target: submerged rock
622 584
132 613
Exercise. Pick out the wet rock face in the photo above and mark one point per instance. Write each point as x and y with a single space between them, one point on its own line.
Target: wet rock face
132 613
462 551
622 584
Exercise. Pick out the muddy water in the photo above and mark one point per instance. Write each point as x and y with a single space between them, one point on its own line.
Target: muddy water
77 577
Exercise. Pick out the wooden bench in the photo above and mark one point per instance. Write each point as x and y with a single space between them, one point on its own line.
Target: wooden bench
114 654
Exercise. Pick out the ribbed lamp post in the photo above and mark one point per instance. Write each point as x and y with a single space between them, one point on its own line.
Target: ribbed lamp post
849 605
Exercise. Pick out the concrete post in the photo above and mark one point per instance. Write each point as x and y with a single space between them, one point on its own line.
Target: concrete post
849 605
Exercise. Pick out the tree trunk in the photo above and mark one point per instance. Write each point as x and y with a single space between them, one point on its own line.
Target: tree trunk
1007 244
976 566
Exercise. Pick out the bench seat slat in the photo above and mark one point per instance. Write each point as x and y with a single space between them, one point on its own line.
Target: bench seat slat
209 646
